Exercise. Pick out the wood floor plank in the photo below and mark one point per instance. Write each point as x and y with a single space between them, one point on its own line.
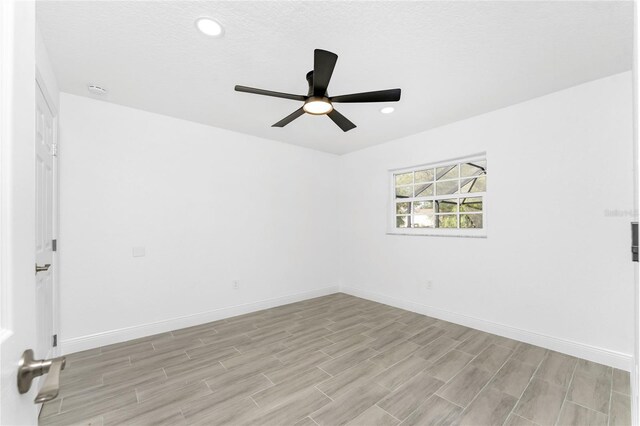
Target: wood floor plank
529 354
434 411
465 386
450 364
374 416
515 420
405 399
557 369
355 376
492 358
593 368
349 406
513 377
541 402
346 345
590 391
396 354
160 408
427 335
620 414
238 389
287 389
301 405
476 344
288 370
491 407
576 415
400 373
621 381
348 360
437 348
232 412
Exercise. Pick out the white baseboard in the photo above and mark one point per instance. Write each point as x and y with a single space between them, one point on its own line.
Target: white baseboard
82 343
592 353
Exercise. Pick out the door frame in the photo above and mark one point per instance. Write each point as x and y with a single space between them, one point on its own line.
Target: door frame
6 65
55 279
635 370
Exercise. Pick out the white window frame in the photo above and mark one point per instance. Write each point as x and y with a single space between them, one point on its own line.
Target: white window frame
439 232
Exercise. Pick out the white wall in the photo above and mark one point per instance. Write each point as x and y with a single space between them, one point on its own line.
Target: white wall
554 269
209 205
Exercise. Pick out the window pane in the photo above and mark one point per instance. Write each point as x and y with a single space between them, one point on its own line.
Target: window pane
447 172
424 190
447 206
404 178
423 221
447 221
404 191
424 175
403 208
422 207
470 221
478 184
473 169
472 204
446 188
403 221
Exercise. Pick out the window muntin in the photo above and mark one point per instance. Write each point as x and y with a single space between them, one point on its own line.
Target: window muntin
444 196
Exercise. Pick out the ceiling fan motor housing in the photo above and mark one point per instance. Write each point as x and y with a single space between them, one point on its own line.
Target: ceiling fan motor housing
310 81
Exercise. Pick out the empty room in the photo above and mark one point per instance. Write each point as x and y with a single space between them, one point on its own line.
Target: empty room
363 213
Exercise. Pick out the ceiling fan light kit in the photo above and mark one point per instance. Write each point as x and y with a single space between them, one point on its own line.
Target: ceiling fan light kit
317 101
317 105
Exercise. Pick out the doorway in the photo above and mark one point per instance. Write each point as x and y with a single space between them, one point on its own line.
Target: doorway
45 226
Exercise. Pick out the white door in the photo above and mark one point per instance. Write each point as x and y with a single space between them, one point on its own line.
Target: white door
44 157
17 205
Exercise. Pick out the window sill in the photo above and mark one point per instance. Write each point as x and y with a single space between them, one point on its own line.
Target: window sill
454 233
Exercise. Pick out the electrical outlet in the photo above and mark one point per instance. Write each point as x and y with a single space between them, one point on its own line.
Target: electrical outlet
236 284
428 285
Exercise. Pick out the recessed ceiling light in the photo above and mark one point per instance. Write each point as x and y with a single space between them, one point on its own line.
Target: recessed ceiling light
96 90
209 27
387 110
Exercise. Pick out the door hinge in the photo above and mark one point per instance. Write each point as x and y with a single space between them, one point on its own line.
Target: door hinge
634 241
55 340
54 245
54 149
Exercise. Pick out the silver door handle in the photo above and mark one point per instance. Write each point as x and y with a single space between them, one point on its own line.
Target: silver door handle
30 368
42 268
51 385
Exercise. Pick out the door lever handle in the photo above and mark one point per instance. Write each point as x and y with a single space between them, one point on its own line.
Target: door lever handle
30 368
42 268
51 385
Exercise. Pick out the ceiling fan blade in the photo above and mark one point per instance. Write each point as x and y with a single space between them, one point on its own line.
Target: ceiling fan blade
323 64
270 93
289 118
390 95
342 121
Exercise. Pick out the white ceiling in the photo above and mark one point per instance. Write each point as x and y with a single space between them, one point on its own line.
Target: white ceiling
452 60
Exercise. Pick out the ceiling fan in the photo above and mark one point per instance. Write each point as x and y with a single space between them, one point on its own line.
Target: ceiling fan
317 101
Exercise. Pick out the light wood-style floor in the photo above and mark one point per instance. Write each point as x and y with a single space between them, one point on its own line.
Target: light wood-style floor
335 360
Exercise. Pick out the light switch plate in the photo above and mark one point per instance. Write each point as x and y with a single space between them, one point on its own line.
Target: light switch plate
139 252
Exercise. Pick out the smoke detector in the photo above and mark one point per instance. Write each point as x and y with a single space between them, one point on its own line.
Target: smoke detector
96 90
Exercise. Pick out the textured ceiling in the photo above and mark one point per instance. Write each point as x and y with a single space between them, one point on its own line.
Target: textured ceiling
452 60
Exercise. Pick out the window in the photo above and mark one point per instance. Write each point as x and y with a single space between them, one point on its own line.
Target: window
447 198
